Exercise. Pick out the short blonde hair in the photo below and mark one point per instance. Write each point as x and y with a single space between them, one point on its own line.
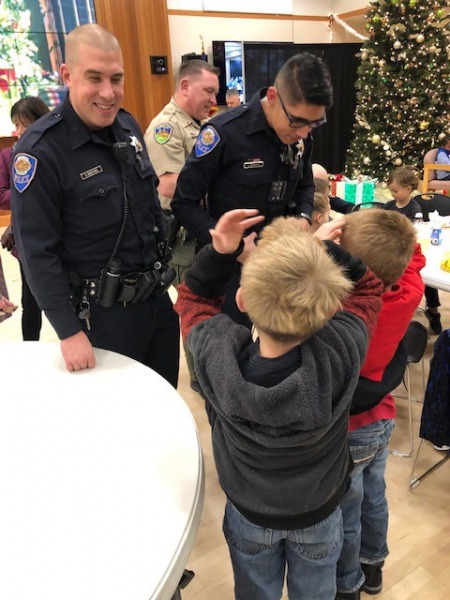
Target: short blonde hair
321 203
290 286
321 186
383 239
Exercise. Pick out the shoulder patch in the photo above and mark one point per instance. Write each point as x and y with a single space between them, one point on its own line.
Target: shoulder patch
206 141
163 133
23 170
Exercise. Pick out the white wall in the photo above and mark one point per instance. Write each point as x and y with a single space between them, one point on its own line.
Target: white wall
185 31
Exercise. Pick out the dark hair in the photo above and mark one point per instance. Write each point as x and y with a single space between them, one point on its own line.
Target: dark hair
29 109
404 176
305 78
445 140
193 68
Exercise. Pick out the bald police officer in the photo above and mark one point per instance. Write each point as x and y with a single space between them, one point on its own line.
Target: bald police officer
87 221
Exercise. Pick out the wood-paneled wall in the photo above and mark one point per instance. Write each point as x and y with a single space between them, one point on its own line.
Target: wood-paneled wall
142 28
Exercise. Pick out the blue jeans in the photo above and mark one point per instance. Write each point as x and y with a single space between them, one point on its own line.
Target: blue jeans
364 506
260 556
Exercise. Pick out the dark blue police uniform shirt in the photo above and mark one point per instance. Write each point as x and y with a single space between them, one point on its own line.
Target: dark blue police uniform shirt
239 170
69 216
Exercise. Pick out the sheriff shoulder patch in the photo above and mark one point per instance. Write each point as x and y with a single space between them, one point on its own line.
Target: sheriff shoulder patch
163 133
206 141
23 170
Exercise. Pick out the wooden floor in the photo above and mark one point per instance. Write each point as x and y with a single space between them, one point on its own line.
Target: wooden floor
418 567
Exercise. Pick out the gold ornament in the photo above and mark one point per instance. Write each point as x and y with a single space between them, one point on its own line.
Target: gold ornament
420 38
376 139
397 44
423 125
397 162
366 160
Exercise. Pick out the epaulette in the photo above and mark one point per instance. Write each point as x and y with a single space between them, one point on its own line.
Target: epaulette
228 115
36 130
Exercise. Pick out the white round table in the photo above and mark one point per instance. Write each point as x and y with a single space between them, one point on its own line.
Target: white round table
432 274
101 479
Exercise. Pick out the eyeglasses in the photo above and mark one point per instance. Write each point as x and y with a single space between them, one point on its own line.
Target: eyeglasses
298 122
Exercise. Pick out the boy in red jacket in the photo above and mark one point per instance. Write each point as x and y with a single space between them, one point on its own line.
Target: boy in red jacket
386 242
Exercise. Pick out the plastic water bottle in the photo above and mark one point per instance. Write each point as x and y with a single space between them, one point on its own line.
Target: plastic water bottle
419 226
436 229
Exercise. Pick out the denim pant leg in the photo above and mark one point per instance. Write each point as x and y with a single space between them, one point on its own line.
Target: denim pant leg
257 555
374 513
312 555
364 506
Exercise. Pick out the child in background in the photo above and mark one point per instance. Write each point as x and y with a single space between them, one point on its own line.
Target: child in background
322 185
443 158
386 242
401 183
278 407
321 211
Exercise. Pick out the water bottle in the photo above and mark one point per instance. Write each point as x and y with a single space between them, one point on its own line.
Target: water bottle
436 229
419 226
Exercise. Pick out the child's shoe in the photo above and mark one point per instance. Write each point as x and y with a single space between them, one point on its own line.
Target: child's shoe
434 319
374 578
441 448
348 595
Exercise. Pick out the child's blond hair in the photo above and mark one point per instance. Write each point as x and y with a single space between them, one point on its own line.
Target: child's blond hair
321 203
383 239
290 286
321 186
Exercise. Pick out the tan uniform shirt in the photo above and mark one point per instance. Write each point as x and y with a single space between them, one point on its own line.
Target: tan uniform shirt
170 138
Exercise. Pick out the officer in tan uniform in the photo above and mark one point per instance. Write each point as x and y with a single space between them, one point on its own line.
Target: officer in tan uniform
171 135
170 138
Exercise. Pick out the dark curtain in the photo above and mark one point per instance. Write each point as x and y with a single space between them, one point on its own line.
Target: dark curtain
262 62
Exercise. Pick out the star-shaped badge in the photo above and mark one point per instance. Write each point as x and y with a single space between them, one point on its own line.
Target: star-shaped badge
300 147
136 144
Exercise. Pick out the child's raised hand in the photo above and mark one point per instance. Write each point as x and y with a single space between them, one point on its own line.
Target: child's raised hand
230 228
331 230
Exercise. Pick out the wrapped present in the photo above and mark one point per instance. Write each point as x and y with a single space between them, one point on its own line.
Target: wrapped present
356 191
333 181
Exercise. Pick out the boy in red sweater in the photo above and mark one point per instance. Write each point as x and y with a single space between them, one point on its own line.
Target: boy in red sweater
386 242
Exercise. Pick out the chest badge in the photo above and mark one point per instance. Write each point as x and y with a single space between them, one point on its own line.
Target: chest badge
163 133
136 144
206 141
23 171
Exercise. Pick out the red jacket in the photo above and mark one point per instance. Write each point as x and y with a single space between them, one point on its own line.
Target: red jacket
399 304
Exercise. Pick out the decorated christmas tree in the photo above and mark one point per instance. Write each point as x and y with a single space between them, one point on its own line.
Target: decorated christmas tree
403 86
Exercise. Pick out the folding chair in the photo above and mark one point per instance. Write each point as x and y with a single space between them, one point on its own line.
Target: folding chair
435 419
415 341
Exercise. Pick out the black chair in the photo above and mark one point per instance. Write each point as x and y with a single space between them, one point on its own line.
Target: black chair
365 205
415 341
431 202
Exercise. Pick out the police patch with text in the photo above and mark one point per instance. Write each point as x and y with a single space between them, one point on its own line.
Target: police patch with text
206 141
23 170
